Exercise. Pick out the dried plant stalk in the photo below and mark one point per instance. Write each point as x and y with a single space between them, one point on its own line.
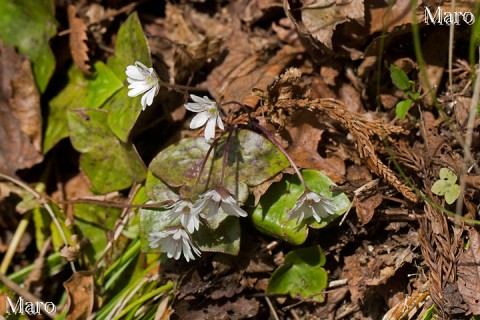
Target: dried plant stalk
361 129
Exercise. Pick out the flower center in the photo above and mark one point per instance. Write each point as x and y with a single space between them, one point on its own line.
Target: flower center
212 110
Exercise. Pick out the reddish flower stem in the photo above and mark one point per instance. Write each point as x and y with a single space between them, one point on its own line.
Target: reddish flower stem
270 137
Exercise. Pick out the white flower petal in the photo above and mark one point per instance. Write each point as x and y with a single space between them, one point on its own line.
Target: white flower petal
195 107
199 120
220 123
205 100
135 73
137 88
143 102
210 129
150 95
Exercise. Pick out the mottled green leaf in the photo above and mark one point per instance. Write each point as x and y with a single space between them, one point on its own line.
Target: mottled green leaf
93 224
271 215
157 190
80 92
29 25
301 275
399 78
109 163
153 220
220 235
402 108
131 45
251 160
225 238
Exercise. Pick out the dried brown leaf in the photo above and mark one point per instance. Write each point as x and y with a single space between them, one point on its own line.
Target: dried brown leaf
80 290
242 71
366 208
306 135
319 18
78 36
193 56
259 191
468 270
3 304
386 16
20 115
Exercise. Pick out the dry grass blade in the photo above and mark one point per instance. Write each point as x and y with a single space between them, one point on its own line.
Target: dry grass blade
78 36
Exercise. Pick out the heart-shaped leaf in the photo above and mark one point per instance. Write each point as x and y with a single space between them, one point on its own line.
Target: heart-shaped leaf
251 160
100 148
271 215
301 275
80 92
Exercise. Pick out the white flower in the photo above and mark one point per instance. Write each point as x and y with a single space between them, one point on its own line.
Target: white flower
209 114
142 79
189 219
174 241
212 200
311 204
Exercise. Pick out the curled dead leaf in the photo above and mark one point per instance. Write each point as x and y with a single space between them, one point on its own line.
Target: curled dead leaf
20 114
366 207
468 270
78 36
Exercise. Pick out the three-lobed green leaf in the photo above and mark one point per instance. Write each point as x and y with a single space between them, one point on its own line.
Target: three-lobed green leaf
446 186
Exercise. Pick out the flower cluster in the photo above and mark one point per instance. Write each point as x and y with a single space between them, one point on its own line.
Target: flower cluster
174 241
143 80
177 240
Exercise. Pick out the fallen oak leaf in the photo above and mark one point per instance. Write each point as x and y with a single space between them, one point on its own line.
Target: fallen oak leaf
78 36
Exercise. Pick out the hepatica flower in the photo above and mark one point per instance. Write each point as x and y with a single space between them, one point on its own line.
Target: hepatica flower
142 80
209 203
207 113
174 241
189 218
311 204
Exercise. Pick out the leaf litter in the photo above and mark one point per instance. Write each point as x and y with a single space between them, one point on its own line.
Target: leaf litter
282 64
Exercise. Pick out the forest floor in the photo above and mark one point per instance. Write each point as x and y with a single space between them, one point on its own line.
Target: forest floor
369 93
